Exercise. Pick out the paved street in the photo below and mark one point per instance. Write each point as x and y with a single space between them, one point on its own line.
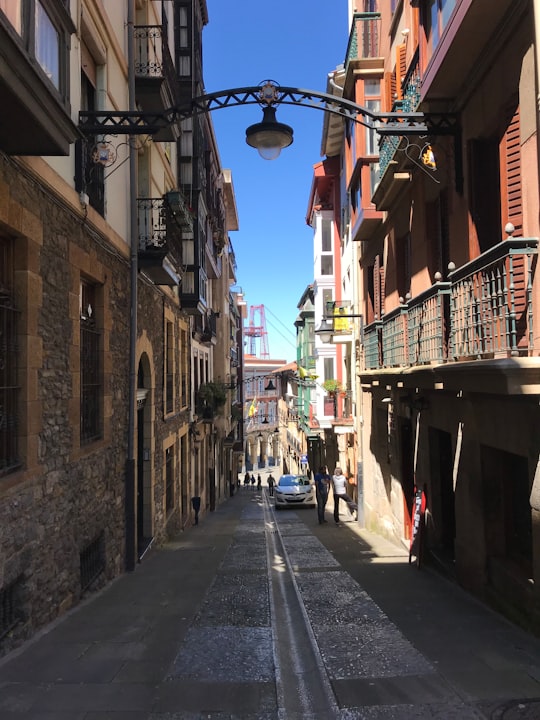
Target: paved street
258 615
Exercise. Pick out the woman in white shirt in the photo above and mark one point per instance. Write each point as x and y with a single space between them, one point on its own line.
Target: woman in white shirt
339 485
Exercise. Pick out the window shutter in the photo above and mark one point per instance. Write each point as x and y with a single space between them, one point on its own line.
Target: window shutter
512 200
377 296
382 289
512 211
389 91
401 69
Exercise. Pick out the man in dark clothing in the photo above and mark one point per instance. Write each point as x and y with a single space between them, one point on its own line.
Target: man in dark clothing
322 487
271 483
196 505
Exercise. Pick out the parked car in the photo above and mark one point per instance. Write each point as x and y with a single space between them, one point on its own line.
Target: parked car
294 491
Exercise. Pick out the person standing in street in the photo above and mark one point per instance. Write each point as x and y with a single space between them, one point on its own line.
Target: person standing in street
339 484
271 483
259 482
322 488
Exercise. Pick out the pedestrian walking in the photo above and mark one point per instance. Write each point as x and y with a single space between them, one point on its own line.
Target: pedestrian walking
253 482
246 480
196 505
339 484
322 488
259 482
271 483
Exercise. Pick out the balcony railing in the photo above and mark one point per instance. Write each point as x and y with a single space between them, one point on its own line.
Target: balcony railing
160 233
484 311
364 37
491 302
152 56
373 345
409 103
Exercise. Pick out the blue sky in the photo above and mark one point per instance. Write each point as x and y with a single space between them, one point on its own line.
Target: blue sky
295 43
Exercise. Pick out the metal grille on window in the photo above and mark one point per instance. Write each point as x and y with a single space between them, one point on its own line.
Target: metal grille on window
90 366
92 561
9 390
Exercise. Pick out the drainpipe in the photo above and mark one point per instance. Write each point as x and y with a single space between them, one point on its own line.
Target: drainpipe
131 548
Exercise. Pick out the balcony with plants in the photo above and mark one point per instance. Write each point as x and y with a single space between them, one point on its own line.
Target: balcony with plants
484 311
210 399
205 328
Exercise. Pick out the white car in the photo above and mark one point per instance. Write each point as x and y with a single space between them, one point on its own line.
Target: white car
294 491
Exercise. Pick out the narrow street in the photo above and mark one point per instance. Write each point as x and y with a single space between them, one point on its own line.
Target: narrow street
259 615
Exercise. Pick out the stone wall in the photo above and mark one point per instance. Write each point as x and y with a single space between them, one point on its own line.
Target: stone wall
64 496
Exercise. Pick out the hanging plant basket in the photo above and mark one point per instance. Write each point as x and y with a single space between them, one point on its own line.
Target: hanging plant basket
211 397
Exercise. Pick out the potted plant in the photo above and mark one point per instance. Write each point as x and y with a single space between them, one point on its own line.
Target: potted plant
332 386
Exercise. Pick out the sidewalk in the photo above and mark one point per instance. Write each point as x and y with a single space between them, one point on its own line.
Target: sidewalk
109 658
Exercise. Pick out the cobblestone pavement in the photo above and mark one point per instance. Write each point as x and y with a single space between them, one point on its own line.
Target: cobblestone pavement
189 634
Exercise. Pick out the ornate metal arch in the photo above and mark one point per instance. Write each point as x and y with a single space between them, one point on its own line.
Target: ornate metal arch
267 93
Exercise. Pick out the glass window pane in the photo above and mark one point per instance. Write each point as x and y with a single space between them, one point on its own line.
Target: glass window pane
47 45
12 10
372 88
326 236
447 7
327 265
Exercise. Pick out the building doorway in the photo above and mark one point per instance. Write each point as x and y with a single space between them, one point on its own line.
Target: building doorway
143 495
442 496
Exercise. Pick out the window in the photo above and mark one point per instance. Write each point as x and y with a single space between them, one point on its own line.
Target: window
326 236
89 174
44 27
372 102
169 478
169 367
9 391
13 11
328 369
327 259
436 18
184 367
47 45
91 383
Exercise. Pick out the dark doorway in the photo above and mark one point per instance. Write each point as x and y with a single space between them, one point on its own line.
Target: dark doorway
143 541
442 500
508 517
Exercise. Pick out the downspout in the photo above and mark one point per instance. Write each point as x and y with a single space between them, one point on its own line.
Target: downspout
131 549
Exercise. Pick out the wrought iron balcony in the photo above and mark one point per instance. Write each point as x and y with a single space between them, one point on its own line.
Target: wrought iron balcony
491 302
205 328
156 84
484 311
411 98
160 240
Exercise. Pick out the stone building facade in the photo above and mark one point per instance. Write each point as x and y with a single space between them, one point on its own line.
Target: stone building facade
97 385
